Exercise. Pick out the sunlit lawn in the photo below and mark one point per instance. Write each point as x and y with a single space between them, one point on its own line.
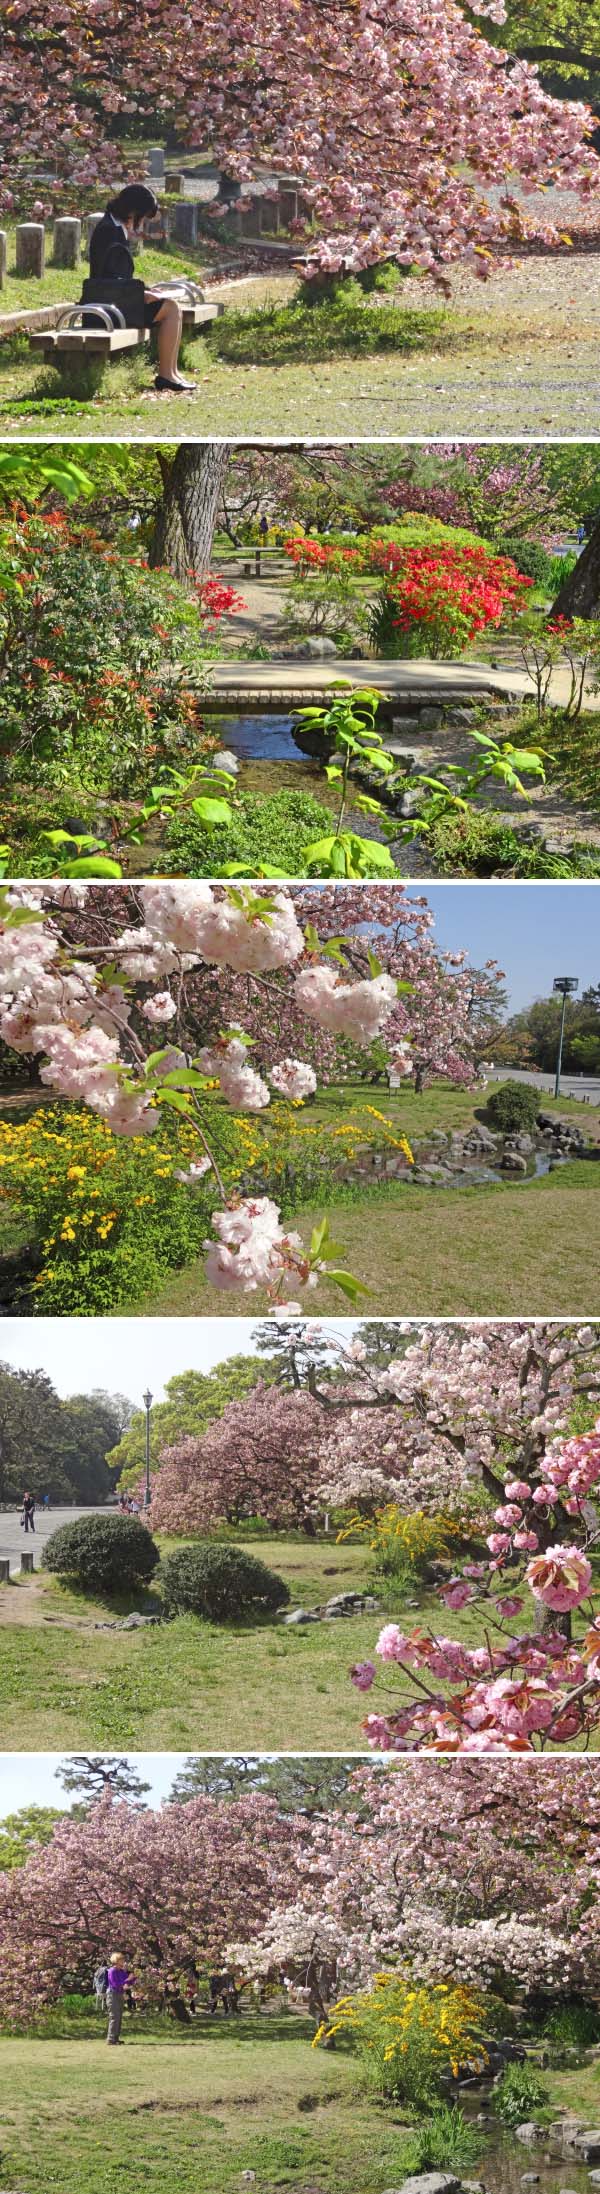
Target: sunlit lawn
191 1685
194 2110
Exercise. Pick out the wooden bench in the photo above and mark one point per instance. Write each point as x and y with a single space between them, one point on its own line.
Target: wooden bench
73 345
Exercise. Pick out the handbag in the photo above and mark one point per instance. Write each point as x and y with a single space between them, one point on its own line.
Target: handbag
126 298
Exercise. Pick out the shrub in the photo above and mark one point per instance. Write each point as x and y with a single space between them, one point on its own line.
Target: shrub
410 2039
269 833
518 2093
573 2023
104 1553
404 1546
481 843
515 1105
436 597
343 324
106 1215
535 562
220 1583
101 659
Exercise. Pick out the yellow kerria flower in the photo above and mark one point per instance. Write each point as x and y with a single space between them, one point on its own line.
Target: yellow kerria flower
76 1173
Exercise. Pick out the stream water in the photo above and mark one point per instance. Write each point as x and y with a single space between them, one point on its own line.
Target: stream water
504 2160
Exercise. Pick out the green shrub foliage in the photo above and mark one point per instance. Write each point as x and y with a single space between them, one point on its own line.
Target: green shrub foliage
220 1583
109 1553
515 1105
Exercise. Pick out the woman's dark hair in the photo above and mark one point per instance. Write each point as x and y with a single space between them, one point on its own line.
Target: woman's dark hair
134 199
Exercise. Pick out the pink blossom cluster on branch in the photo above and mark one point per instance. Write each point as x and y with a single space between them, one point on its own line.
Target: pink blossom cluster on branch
396 115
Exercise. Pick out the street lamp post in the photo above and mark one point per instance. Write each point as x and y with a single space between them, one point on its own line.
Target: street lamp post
566 985
148 1406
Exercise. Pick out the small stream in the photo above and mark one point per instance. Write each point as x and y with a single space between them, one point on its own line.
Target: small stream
504 2160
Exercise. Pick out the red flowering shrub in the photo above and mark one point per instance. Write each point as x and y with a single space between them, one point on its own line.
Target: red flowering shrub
309 555
437 598
101 659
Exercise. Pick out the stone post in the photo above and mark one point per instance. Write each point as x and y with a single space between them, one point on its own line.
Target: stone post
91 223
288 206
3 257
31 248
174 181
185 221
156 163
27 1565
4 1570
67 242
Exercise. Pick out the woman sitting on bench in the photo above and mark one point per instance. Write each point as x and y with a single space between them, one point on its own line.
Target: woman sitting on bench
112 261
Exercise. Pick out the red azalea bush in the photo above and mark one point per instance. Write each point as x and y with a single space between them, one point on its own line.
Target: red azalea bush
308 555
436 598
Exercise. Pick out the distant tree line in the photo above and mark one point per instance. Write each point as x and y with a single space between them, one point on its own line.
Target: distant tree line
55 1445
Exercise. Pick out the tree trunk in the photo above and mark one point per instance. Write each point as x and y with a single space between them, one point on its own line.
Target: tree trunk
187 513
579 595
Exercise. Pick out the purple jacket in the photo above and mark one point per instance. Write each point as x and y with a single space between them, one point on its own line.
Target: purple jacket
118 1977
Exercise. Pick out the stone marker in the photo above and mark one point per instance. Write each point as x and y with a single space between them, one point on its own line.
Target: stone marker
67 242
3 256
31 248
174 180
27 1565
185 221
156 162
4 1570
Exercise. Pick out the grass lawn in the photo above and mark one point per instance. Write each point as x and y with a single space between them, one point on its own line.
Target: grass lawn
190 1685
192 2111
195 2110
524 1249
528 1251
517 356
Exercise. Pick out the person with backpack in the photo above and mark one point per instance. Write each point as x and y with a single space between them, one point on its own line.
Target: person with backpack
118 1983
101 1986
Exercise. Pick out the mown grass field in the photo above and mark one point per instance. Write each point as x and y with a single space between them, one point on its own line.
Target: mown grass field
199 1686
192 2111
527 1251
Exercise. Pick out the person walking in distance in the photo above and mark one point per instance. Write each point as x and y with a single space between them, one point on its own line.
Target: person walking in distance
28 1512
119 1980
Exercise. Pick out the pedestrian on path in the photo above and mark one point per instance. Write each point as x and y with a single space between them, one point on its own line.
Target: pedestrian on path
28 1516
119 1980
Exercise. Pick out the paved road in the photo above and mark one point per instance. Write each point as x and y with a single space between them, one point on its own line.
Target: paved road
13 1538
586 1087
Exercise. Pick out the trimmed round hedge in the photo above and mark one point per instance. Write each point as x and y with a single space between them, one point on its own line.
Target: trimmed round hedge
104 1553
514 1105
220 1583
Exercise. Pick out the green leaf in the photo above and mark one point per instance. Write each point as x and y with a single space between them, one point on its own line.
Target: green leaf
173 1097
380 856
97 865
212 811
319 1237
347 1284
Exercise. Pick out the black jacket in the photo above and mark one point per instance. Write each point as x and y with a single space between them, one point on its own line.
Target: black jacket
110 257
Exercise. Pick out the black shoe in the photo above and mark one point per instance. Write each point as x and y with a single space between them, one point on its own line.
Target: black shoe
177 388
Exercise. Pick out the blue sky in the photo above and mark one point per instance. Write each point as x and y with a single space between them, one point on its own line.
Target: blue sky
29 1778
535 931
